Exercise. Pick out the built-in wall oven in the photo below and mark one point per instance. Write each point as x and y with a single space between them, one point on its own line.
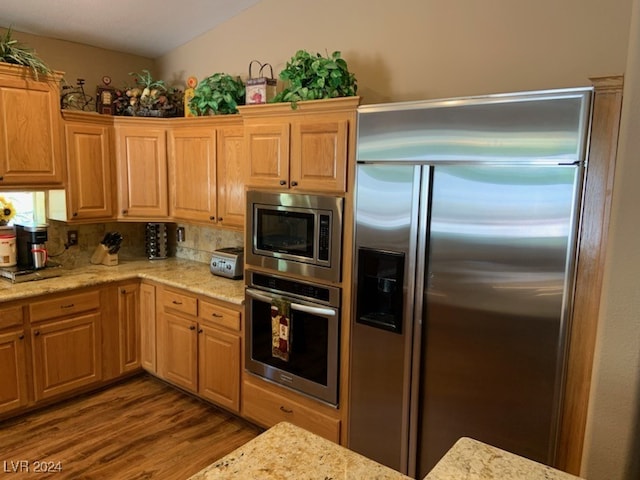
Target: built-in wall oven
298 349
294 233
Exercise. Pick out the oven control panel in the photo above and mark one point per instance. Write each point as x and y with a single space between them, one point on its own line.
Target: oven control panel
227 262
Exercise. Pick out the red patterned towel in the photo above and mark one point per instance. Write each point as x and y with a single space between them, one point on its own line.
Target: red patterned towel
280 329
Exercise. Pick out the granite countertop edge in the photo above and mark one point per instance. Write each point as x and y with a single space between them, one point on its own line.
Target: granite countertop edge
189 275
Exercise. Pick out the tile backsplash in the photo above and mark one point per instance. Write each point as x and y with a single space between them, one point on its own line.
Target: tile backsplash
199 242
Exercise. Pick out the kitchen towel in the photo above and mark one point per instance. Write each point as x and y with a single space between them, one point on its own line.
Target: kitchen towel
280 329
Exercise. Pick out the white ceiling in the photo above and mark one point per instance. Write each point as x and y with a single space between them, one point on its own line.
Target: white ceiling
149 28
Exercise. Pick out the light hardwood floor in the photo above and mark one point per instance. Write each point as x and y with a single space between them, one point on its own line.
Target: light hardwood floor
138 429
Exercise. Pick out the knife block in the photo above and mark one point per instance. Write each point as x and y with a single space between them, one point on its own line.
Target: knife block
101 256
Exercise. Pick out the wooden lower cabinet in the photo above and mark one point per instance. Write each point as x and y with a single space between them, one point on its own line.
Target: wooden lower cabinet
148 327
219 366
66 354
198 347
266 407
13 370
66 342
129 327
177 353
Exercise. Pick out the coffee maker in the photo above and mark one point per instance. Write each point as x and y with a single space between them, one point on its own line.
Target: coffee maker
32 249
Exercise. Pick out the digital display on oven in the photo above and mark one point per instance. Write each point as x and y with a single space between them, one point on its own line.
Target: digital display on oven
285 231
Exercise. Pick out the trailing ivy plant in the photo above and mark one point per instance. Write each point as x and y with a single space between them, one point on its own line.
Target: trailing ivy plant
314 77
219 94
11 51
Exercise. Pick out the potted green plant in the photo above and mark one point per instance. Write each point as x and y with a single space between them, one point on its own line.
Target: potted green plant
314 77
218 94
13 52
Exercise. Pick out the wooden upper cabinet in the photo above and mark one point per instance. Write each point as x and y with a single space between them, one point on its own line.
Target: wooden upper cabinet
206 179
192 173
319 154
30 129
142 170
267 144
91 167
306 149
231 177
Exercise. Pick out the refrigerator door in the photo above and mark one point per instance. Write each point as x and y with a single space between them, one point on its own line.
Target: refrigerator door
386 222
498 287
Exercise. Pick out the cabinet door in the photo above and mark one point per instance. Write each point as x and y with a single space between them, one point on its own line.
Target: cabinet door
30 135
142 172
66 355
219 366
13 371
177 350
148 327
192 173
267 154
231 178
319 154
129 327
89 160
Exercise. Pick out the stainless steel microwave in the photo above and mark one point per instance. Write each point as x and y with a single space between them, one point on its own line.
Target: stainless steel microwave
295 233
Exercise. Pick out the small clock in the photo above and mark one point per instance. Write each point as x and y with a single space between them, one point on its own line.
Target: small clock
105 97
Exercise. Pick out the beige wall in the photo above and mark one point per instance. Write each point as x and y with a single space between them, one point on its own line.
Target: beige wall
415 49
82 61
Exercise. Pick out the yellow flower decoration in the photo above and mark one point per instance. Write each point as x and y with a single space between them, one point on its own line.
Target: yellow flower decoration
7 211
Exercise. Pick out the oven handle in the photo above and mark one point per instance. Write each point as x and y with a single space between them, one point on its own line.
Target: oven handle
326 312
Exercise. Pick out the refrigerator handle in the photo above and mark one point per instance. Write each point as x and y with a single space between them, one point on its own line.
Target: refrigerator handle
422 268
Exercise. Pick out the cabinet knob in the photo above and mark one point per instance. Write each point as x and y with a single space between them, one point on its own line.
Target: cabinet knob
200 331
36 333
176 302
21 337
1 179
192 327
283 182
124 212
123 291
212 217
285 410
75 214
219 219
294 184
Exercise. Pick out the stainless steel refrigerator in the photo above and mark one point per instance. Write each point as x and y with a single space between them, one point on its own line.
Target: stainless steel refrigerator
467 212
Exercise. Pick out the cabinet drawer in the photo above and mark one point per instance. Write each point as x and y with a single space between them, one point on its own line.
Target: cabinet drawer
62 306
10 317
268 408
178 301
221 316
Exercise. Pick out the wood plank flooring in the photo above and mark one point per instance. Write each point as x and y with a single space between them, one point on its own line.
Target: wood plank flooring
134 430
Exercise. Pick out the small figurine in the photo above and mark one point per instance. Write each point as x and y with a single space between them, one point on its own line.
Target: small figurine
188 95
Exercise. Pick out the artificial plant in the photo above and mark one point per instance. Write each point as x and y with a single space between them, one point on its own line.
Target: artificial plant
16 53
218 94
314 77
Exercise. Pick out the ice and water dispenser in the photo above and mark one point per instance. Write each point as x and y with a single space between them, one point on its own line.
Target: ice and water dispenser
380 287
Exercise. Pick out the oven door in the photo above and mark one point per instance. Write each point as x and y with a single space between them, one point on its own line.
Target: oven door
312 366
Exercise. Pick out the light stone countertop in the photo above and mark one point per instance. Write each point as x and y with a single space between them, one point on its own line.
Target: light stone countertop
174 272
289 452
470 459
